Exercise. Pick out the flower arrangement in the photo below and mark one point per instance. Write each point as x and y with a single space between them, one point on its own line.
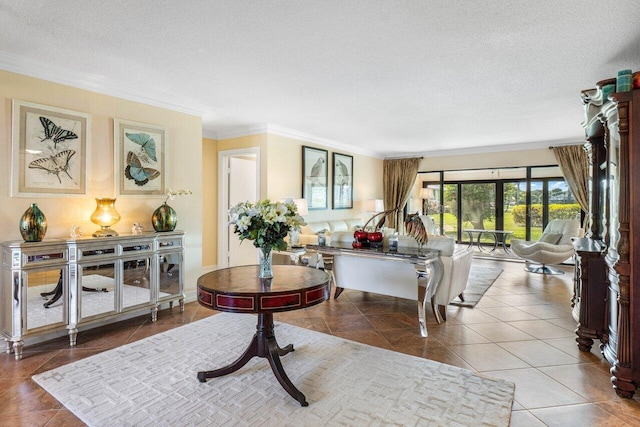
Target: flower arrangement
266 223
165 217
171 194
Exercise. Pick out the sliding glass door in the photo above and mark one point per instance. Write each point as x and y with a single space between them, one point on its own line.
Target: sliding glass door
521 200
514 196
478 210
450 211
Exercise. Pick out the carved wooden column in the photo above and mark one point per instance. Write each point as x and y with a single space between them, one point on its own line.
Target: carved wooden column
619 249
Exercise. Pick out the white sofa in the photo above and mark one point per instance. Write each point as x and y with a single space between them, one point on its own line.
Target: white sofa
398 279
341 230
338 231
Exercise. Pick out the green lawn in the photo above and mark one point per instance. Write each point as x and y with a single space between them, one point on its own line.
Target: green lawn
450 224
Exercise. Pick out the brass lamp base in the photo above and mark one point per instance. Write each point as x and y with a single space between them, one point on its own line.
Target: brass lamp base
105 232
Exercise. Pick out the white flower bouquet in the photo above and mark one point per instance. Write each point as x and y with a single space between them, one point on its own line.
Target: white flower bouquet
266 223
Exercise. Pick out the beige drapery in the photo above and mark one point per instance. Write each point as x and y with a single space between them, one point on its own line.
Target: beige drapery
574 164
398 178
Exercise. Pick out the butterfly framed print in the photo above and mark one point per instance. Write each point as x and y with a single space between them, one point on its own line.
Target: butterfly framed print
50 148
140 158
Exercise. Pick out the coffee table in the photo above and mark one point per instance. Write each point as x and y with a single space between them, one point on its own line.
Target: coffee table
240 290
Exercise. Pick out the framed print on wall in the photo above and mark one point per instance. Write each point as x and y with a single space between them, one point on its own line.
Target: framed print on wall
342 181
49 150
140 159
314 177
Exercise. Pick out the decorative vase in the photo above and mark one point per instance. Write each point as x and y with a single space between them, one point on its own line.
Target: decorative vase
266 270
33 224
164 218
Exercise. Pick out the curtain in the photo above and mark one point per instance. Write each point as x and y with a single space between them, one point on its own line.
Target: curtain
574 164
398 178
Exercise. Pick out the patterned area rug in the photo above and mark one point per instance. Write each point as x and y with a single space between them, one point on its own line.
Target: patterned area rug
480 280
153 382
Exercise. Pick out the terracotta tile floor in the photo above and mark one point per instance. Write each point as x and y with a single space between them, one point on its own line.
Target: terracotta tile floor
521 330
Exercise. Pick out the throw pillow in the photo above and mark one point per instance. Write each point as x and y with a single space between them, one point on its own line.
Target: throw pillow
552 238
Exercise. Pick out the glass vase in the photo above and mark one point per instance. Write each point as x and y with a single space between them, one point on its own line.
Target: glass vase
105 216
266 270
33 224
164 218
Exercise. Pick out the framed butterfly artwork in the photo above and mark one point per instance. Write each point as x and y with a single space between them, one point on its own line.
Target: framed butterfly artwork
50 148
140 159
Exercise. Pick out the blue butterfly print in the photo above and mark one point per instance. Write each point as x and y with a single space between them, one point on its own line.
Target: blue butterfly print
135 171
146 142
55 133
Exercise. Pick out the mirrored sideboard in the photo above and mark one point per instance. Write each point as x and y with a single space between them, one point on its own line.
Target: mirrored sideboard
57 285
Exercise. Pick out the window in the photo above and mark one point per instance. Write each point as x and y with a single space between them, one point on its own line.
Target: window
522 200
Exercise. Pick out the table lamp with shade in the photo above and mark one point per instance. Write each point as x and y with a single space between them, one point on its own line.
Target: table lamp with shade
294 233
426 194
374 205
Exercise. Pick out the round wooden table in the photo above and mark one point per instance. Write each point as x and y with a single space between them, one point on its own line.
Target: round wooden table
240 290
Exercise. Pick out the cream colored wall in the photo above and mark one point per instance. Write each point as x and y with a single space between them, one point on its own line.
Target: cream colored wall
251 141
285 177
209 202
184 166
281 172
538 157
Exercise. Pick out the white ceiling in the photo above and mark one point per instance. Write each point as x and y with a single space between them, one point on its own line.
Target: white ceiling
389 78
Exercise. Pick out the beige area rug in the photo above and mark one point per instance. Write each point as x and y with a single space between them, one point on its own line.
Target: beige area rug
152 382
480 280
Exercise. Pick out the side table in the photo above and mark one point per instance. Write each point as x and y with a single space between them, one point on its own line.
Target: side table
240 290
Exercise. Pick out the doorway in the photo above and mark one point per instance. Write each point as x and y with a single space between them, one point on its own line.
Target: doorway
238 181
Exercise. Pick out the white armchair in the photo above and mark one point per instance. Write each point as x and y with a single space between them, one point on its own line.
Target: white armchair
553 247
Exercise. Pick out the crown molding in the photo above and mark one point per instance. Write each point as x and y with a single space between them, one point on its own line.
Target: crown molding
94 83
238 132
535 145
209 134
293 134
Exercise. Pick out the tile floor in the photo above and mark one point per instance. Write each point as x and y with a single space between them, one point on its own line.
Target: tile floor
521 330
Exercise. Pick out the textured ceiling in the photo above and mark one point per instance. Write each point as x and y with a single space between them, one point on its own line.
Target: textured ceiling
392 78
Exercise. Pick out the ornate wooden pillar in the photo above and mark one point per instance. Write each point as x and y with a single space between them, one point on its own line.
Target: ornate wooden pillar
619 251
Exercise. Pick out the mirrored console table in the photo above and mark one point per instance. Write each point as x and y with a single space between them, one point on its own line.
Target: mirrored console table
55 285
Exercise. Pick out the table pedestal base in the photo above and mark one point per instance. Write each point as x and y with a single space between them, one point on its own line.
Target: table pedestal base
263 344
